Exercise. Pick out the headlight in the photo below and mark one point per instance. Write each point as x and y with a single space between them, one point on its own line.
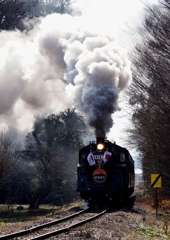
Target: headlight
100 146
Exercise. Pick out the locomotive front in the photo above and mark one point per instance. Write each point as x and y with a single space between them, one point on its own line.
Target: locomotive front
105 172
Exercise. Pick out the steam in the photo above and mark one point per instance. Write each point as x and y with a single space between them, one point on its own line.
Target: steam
57 64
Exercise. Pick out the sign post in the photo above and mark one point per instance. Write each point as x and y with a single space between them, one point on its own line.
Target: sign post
156 182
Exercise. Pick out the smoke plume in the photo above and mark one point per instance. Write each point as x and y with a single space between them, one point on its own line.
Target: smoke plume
57 64
97 73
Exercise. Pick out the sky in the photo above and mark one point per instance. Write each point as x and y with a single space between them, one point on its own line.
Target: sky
48 69
109 15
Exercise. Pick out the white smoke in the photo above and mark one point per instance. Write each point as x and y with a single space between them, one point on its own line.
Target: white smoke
59 63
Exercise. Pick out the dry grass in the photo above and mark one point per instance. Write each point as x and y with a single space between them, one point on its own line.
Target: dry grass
14 220
154 226
13 215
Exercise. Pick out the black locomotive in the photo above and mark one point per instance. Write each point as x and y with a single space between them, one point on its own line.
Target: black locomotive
105 173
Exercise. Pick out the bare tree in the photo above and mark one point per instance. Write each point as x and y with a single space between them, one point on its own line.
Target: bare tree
13 12
43 175
9 154
53 151
150 92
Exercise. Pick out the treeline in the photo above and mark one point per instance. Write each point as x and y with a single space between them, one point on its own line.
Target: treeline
45 170
14 12
150 94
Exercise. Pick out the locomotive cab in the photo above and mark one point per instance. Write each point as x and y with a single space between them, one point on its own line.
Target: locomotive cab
105 172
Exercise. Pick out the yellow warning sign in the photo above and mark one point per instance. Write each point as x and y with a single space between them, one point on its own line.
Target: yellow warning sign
156 180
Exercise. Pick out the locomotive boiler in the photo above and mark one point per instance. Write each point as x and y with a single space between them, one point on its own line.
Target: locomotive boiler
105 172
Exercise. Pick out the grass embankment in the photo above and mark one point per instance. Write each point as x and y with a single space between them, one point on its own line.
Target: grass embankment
12 214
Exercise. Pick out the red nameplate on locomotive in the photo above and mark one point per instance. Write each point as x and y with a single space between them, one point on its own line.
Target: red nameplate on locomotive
99 175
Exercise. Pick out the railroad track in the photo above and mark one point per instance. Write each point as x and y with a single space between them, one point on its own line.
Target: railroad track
55 227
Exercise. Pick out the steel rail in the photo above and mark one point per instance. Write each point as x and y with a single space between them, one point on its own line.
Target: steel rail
66 229
33 229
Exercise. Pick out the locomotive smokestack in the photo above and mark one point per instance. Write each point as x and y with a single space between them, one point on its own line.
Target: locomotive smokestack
100 139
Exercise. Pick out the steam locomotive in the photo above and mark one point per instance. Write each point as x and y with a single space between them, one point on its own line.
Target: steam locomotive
105 173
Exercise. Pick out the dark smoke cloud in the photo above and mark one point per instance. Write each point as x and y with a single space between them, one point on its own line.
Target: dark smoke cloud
60 63
101 71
